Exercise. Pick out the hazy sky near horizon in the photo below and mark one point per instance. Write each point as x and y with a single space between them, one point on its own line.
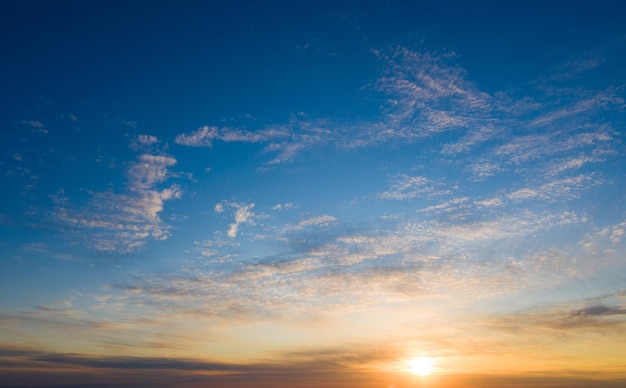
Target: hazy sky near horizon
313 193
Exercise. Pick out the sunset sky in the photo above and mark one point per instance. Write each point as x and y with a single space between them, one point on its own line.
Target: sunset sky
342 194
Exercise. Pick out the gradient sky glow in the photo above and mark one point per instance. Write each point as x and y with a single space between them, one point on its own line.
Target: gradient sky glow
287 194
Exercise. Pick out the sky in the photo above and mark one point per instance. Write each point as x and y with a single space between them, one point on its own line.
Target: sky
313 193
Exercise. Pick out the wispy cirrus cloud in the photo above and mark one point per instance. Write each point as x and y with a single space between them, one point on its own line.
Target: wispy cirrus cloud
33 123
547 154
567 319
585 62
409 187
283 140
517 150
427 94
409 261
309 222
36 126
123 222
556 190
593 104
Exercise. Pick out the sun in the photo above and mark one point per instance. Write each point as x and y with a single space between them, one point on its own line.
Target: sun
421 366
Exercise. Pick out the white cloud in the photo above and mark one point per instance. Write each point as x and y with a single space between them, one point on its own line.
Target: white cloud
143 142
285 140
147 139
607 241
474 136
203 137
446 206
284 206
592 104
206 135
173 192
484 169
122 222
525 148
243 214
492 202
33 123
571 163
428 94
150 170
548 153
313 221
409 187
577 66
560 189
232 230
411 260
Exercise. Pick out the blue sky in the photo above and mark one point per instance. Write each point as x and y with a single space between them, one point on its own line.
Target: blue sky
288 192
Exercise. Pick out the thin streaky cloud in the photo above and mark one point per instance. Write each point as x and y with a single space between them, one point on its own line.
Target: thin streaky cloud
313 221
409 187
599 102
122 222
316 201
33 123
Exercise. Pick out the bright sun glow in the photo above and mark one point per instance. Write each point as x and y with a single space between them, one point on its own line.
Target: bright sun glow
421 366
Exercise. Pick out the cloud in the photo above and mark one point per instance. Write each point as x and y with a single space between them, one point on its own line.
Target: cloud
427 94
147 139
284 206
33 123
450 247
571 163
148 171
36 125
284 140
492 202
573 68
243 215
474 136
320 366
484 169
556 190
130 123
605 239
343 271
122 222
203 137
547 153
206 135
600 101
409 187
143 142
580 65
447 206
566 320
598 311
314 221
